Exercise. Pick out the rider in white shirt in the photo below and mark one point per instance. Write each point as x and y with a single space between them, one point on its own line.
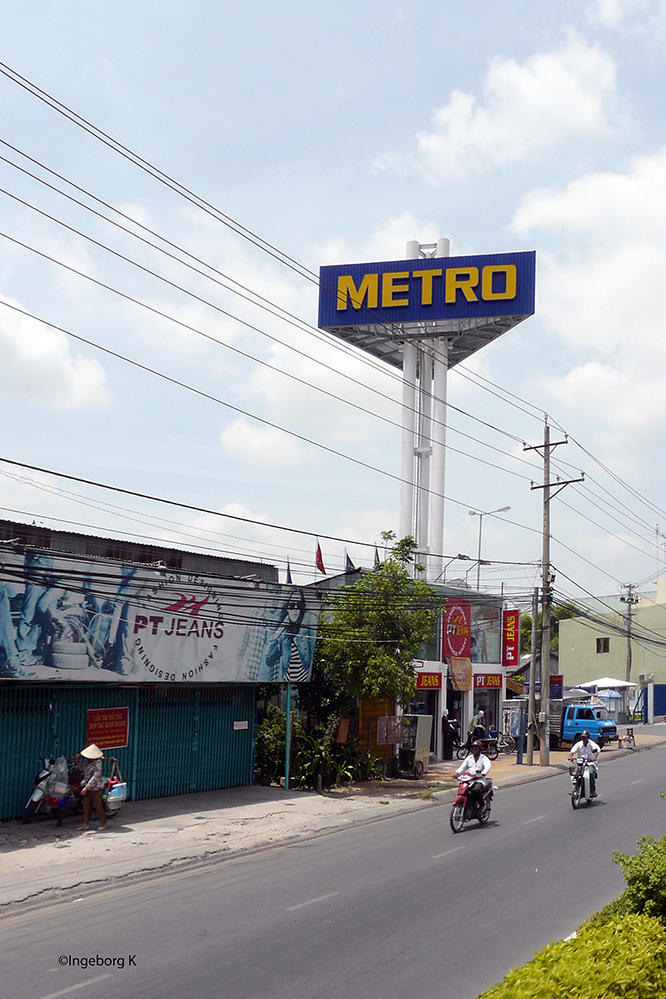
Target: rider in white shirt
476 763
586 749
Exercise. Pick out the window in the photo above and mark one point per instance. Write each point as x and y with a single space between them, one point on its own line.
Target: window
603 644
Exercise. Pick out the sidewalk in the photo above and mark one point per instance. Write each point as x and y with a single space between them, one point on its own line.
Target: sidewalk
38 860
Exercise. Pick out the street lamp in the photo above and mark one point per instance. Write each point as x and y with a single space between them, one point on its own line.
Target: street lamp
481 514
456 558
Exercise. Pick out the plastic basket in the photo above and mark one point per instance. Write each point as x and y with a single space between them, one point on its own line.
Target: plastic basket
116 796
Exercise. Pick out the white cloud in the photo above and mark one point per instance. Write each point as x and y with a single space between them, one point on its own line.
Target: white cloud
37 363
627 13
599 295
528 109
261 446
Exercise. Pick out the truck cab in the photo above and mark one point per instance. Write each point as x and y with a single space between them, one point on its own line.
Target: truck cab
578 717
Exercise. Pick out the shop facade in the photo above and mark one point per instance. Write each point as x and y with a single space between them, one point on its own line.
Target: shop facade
478 642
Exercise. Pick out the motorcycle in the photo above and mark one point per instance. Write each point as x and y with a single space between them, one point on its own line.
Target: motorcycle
490 747
473 801
50 783
581 781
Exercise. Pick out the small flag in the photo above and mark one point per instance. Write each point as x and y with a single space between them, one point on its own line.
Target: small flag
376 557
289 579
349 565
319 562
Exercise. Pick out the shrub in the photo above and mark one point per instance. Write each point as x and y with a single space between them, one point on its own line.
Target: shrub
269 760
620 906
624 958
645 874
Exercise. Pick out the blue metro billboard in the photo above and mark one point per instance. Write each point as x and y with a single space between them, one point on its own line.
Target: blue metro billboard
431 289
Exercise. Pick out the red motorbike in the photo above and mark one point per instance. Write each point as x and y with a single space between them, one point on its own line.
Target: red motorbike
473 801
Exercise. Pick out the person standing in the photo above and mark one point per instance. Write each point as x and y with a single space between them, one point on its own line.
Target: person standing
92 784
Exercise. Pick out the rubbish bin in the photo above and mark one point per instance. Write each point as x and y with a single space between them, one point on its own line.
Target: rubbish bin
447 745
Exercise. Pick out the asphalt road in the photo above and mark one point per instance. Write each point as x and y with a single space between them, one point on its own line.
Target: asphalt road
392 908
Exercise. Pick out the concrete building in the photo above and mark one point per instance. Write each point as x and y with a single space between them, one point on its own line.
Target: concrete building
600 644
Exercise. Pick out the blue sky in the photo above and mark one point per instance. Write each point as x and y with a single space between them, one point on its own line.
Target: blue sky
335 133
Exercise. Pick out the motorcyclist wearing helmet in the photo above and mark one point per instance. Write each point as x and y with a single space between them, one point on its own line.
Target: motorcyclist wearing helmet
586 749
478 764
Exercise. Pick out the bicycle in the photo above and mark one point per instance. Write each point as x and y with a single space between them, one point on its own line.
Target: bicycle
506 743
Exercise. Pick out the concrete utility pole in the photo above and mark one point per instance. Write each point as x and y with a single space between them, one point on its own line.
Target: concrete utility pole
630 599
546 583
531 697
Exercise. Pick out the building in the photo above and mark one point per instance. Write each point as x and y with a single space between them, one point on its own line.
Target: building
150 652
615 635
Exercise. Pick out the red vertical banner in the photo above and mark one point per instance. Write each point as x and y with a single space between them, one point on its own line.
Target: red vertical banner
511 639
456 630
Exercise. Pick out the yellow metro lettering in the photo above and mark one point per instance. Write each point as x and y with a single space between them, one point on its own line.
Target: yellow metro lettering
400 289
390 289
426 283
510 281
369 289
463 279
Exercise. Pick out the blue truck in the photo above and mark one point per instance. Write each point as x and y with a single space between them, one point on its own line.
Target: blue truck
569 718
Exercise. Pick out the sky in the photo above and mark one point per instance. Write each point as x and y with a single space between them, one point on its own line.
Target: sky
237 148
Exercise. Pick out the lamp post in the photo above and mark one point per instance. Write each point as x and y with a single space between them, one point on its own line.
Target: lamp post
481 514
456 558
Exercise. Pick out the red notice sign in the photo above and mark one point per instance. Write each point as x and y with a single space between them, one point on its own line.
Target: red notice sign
107 728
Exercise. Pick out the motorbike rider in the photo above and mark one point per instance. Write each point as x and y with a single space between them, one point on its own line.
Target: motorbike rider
479 765
586 749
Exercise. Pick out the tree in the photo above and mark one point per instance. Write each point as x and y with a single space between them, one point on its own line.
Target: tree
371 632
560 612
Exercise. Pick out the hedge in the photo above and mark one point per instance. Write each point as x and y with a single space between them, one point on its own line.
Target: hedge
625 958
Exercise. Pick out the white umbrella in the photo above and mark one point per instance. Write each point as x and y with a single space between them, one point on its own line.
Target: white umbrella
609 695
607 681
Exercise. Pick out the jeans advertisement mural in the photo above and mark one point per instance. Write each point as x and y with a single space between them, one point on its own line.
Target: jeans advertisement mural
66 617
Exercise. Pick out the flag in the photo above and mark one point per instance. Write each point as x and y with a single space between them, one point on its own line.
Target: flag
349 565
289 579
376 557
319 562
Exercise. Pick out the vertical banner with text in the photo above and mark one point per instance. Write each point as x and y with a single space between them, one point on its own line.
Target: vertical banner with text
511 639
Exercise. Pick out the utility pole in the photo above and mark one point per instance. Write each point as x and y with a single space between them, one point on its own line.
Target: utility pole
630 599
531 697
546 583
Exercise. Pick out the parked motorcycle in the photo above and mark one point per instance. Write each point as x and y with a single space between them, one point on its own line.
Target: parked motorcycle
581 781
473 801
490 747
50 783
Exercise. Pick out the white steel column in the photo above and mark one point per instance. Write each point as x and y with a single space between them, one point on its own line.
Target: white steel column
408 431
409 407
423 453
441 352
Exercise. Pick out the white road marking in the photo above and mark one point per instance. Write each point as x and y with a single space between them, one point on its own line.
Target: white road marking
301 905
638 781
447 852
535 819
73 988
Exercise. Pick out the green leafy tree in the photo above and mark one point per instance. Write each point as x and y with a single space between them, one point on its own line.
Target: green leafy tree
560 612
372 631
